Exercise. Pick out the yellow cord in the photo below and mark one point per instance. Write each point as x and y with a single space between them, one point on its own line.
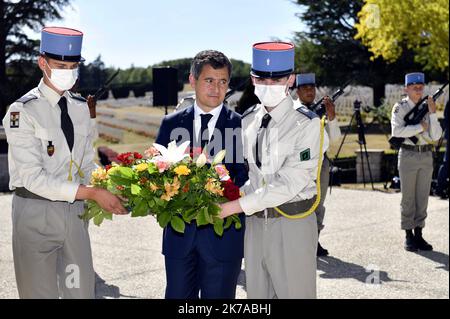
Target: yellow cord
79 171
69 178
319 168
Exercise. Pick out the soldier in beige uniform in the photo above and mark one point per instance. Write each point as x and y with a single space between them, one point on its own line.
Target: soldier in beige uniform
415 160
51 157
283 150
306 91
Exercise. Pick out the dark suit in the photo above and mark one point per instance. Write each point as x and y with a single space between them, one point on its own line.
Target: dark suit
200 260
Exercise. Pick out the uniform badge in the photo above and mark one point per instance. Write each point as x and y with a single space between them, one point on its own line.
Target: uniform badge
14 119
397 108
305 155
50 149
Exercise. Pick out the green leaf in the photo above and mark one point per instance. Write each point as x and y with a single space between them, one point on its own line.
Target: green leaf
151 202
141 208
209 217
164 218
218 226
213 210
228 222
159 202
237 222
98 219
152 168
177 224
202 217
189 214
126 172
135 189
118 180
108 216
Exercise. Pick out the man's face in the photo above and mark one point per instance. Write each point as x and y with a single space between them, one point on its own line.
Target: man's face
306 93
415 91
210 87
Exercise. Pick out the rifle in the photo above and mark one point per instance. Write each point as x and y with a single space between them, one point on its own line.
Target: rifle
319 106
105 86
415 116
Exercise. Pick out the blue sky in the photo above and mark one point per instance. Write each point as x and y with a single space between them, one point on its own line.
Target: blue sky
144 32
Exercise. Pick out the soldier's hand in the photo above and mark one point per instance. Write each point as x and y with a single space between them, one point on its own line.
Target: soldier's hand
109 202
92 104
424 125
330 108
431 105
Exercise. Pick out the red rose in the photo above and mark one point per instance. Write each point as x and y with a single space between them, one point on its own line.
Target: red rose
128 158
230 190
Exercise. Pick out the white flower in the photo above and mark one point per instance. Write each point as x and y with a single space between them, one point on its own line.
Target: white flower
219 157
201 160
173 153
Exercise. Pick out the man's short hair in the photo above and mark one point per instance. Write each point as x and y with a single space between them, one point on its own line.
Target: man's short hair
216 59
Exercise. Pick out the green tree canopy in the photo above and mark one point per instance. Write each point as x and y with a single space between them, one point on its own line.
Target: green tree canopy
328 47
387 27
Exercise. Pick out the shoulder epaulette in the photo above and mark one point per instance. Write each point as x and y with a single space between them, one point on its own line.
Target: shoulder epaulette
249 111
27 98
307 112
77 97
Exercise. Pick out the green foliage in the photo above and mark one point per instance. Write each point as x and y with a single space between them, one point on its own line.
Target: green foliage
388 27
328 48
181 194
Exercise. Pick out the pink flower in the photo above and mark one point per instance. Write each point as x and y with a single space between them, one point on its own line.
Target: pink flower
151 152
222 172
162 165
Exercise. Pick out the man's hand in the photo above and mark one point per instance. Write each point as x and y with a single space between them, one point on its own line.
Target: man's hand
230 208
330 108
92 103
424 125
431 105
104 198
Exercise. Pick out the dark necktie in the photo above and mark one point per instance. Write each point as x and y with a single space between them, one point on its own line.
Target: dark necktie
66 123
204 133
259 139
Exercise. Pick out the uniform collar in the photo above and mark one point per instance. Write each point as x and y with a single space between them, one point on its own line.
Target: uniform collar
52 96
278 113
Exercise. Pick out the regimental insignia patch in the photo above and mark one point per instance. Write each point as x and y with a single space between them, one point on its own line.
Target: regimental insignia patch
305 155
14 119
50 148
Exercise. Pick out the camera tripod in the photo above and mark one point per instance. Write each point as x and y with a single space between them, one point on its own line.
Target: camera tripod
361 141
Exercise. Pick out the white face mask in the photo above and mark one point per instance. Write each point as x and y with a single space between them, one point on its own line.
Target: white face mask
63 79
270 95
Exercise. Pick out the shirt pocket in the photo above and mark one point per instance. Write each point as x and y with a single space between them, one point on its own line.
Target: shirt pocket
50 140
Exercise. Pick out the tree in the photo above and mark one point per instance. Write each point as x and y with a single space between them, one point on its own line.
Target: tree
329 49
386 27
15 44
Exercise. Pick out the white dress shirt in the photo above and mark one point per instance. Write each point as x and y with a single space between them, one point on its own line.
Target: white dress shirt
212 122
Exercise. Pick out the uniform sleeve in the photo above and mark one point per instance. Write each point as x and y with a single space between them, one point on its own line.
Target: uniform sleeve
293 177
399 129
89 153
435 129
333 130
25 150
